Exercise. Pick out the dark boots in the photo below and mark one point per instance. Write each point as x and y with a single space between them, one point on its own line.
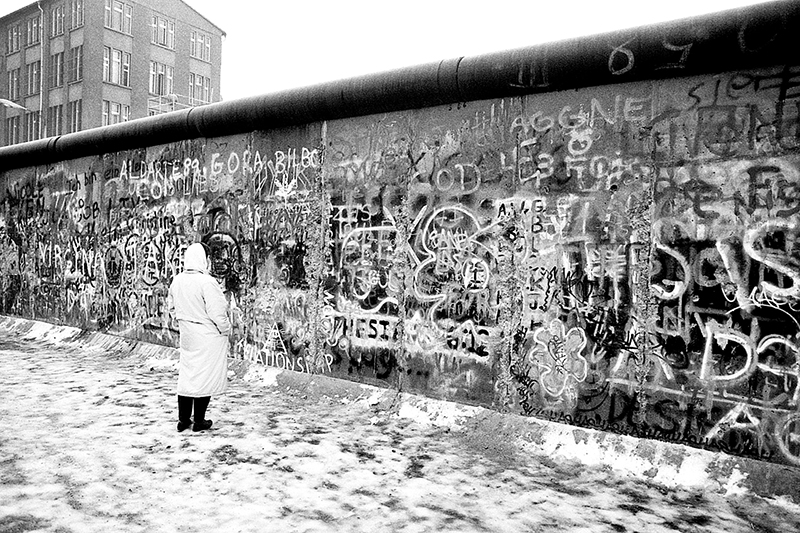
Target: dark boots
200 406
184 412
200 426
185 406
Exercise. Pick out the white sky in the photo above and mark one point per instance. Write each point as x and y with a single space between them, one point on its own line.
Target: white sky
272 46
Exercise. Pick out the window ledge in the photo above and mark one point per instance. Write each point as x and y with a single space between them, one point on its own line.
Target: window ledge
118 31
117 85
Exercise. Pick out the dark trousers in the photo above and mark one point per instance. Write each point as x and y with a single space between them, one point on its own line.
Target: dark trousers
185 405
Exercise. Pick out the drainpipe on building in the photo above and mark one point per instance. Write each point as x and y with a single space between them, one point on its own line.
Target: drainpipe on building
41 69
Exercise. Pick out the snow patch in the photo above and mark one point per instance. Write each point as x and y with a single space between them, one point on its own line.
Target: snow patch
693 470
42 331
161 363
414 413
442 414
620 454
375 397
62 333
37 331
734 486
262 375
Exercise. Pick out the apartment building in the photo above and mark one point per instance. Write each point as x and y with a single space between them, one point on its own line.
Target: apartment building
71 65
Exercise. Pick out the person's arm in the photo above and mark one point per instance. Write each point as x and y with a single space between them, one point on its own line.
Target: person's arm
217 307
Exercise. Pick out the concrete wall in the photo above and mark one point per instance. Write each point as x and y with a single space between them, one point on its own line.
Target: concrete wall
622 256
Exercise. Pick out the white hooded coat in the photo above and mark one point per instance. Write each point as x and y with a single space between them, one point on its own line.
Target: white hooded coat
197 302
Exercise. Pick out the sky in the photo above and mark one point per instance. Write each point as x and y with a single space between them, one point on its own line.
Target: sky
271 46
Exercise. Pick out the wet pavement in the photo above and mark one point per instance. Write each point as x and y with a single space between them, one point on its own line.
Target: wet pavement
88 444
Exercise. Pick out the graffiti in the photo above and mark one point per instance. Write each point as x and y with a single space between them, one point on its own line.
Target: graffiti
346 218
281 176
555 363
618 257
365 259
756 244
619 67
142 180
457 257
273 352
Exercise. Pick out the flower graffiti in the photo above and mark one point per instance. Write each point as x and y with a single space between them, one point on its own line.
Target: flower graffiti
557 355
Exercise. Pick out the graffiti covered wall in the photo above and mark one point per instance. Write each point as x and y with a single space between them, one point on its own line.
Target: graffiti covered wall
622 256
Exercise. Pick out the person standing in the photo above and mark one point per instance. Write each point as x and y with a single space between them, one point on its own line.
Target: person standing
196 300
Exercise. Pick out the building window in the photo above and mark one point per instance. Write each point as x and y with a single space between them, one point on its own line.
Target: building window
57 20
12 42
32 126
33 31
118 16
114 113
163 31
76 14
160 79
74 114
12 130
56 72
34 71
75 64
116 67
200 45
55 120
199 88
13 84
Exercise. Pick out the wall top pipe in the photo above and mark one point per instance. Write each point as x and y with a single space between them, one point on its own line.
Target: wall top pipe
751 37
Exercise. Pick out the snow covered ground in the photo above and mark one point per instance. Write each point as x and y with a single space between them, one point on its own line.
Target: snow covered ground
88 444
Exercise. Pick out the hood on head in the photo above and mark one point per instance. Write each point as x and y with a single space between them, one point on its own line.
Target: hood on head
195 258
